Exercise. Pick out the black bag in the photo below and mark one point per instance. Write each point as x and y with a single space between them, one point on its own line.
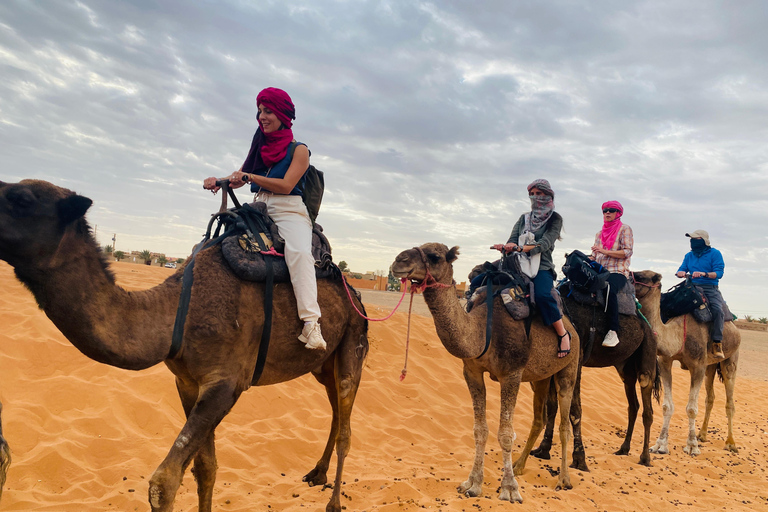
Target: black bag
681 299
585 274
314 186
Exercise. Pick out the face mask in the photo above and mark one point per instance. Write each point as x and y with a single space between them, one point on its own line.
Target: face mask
698 245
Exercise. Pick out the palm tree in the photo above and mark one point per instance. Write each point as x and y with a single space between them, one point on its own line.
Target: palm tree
146 256
162 260
119 255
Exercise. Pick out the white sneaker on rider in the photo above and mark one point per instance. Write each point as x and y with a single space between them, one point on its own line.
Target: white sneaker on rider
611 339
311 336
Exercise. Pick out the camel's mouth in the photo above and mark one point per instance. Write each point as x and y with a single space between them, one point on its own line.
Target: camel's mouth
405 267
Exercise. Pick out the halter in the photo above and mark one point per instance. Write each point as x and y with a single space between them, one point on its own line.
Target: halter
429 281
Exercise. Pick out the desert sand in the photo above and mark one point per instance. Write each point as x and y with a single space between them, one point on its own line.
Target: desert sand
85 436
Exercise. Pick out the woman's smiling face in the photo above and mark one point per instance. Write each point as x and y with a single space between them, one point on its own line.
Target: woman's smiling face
268 120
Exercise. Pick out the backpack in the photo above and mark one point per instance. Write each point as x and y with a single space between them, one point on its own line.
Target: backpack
680 300
314 186
586 275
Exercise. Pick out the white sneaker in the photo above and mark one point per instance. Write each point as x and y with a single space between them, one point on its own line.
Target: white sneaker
311 336
611 339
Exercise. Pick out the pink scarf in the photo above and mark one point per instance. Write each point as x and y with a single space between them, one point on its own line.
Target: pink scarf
275 144
611 229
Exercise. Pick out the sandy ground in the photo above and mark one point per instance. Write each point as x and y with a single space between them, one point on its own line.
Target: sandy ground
87 437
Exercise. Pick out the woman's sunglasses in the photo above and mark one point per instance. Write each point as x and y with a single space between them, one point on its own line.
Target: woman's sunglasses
610 210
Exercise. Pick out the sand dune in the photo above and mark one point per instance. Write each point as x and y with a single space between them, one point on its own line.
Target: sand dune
86 436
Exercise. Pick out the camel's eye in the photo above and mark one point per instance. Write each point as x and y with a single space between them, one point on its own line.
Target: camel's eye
21 201
433 258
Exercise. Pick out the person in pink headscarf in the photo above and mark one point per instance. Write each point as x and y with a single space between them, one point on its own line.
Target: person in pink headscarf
275 167
613 250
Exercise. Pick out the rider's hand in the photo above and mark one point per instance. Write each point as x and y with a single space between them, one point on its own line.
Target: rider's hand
680 274
210 184
237 179
699 274
597 249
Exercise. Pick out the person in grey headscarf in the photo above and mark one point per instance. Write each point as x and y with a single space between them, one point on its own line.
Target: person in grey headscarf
534 235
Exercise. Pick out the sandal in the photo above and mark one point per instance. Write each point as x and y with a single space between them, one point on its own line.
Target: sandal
561 352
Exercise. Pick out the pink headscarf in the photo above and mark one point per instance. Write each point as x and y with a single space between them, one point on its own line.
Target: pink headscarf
611 229
275 144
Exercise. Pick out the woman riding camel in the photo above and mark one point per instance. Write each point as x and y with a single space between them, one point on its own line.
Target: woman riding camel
535 234
275 167
613 250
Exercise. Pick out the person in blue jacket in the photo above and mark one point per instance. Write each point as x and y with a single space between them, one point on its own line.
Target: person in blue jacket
706 266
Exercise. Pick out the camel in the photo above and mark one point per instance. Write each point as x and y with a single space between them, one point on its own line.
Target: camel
5 456
45 237
684 339
634 359
511 358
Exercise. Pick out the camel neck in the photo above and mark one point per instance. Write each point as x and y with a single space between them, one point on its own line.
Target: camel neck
457 330
129 330
667 344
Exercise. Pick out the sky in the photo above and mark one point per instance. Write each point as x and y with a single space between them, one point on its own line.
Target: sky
429 119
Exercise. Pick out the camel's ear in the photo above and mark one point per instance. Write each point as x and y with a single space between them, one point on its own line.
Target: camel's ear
72 208
452 254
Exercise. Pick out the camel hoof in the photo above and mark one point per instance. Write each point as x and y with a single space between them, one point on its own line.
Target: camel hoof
692 450
510 496
469 490
315 477
702 438
646 461
622 451
731 448
540 453
580 465
564 485
659 449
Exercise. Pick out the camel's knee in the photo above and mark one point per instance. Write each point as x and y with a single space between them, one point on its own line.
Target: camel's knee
645 380
345 386
692 411
507 437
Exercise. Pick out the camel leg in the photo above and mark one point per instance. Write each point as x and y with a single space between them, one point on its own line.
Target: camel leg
510 387
628 375
542 452
348 369
728 368
473 486
665 368
319 474
709 386
579 454
212 405
697 378
539 400
5 456
646 392
204 467
565 385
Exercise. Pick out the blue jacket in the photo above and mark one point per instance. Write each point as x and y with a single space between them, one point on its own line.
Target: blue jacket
280 168
710 261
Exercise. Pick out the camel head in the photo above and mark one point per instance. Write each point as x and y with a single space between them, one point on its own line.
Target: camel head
34 217
646 283
433 258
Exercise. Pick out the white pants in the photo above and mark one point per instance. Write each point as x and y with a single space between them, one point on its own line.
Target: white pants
295 227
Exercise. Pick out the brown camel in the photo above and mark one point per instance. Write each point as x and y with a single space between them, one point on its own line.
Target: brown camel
511 358
684 339
5 456
44 235
634 359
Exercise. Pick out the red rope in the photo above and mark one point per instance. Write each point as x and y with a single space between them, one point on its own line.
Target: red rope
346 287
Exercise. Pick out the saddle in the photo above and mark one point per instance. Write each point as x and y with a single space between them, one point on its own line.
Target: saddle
243 253
625 297
514 287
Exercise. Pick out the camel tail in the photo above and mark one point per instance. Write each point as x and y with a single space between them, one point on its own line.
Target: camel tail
657 384
719 371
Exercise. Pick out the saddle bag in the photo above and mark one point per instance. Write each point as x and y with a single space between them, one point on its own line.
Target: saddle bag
681 299
583 273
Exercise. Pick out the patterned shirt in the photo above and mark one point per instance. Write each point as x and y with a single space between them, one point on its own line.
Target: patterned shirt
624 242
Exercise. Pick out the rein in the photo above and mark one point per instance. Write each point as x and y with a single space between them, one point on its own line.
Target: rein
428 282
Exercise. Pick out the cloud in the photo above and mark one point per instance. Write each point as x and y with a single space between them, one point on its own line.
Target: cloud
428 118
